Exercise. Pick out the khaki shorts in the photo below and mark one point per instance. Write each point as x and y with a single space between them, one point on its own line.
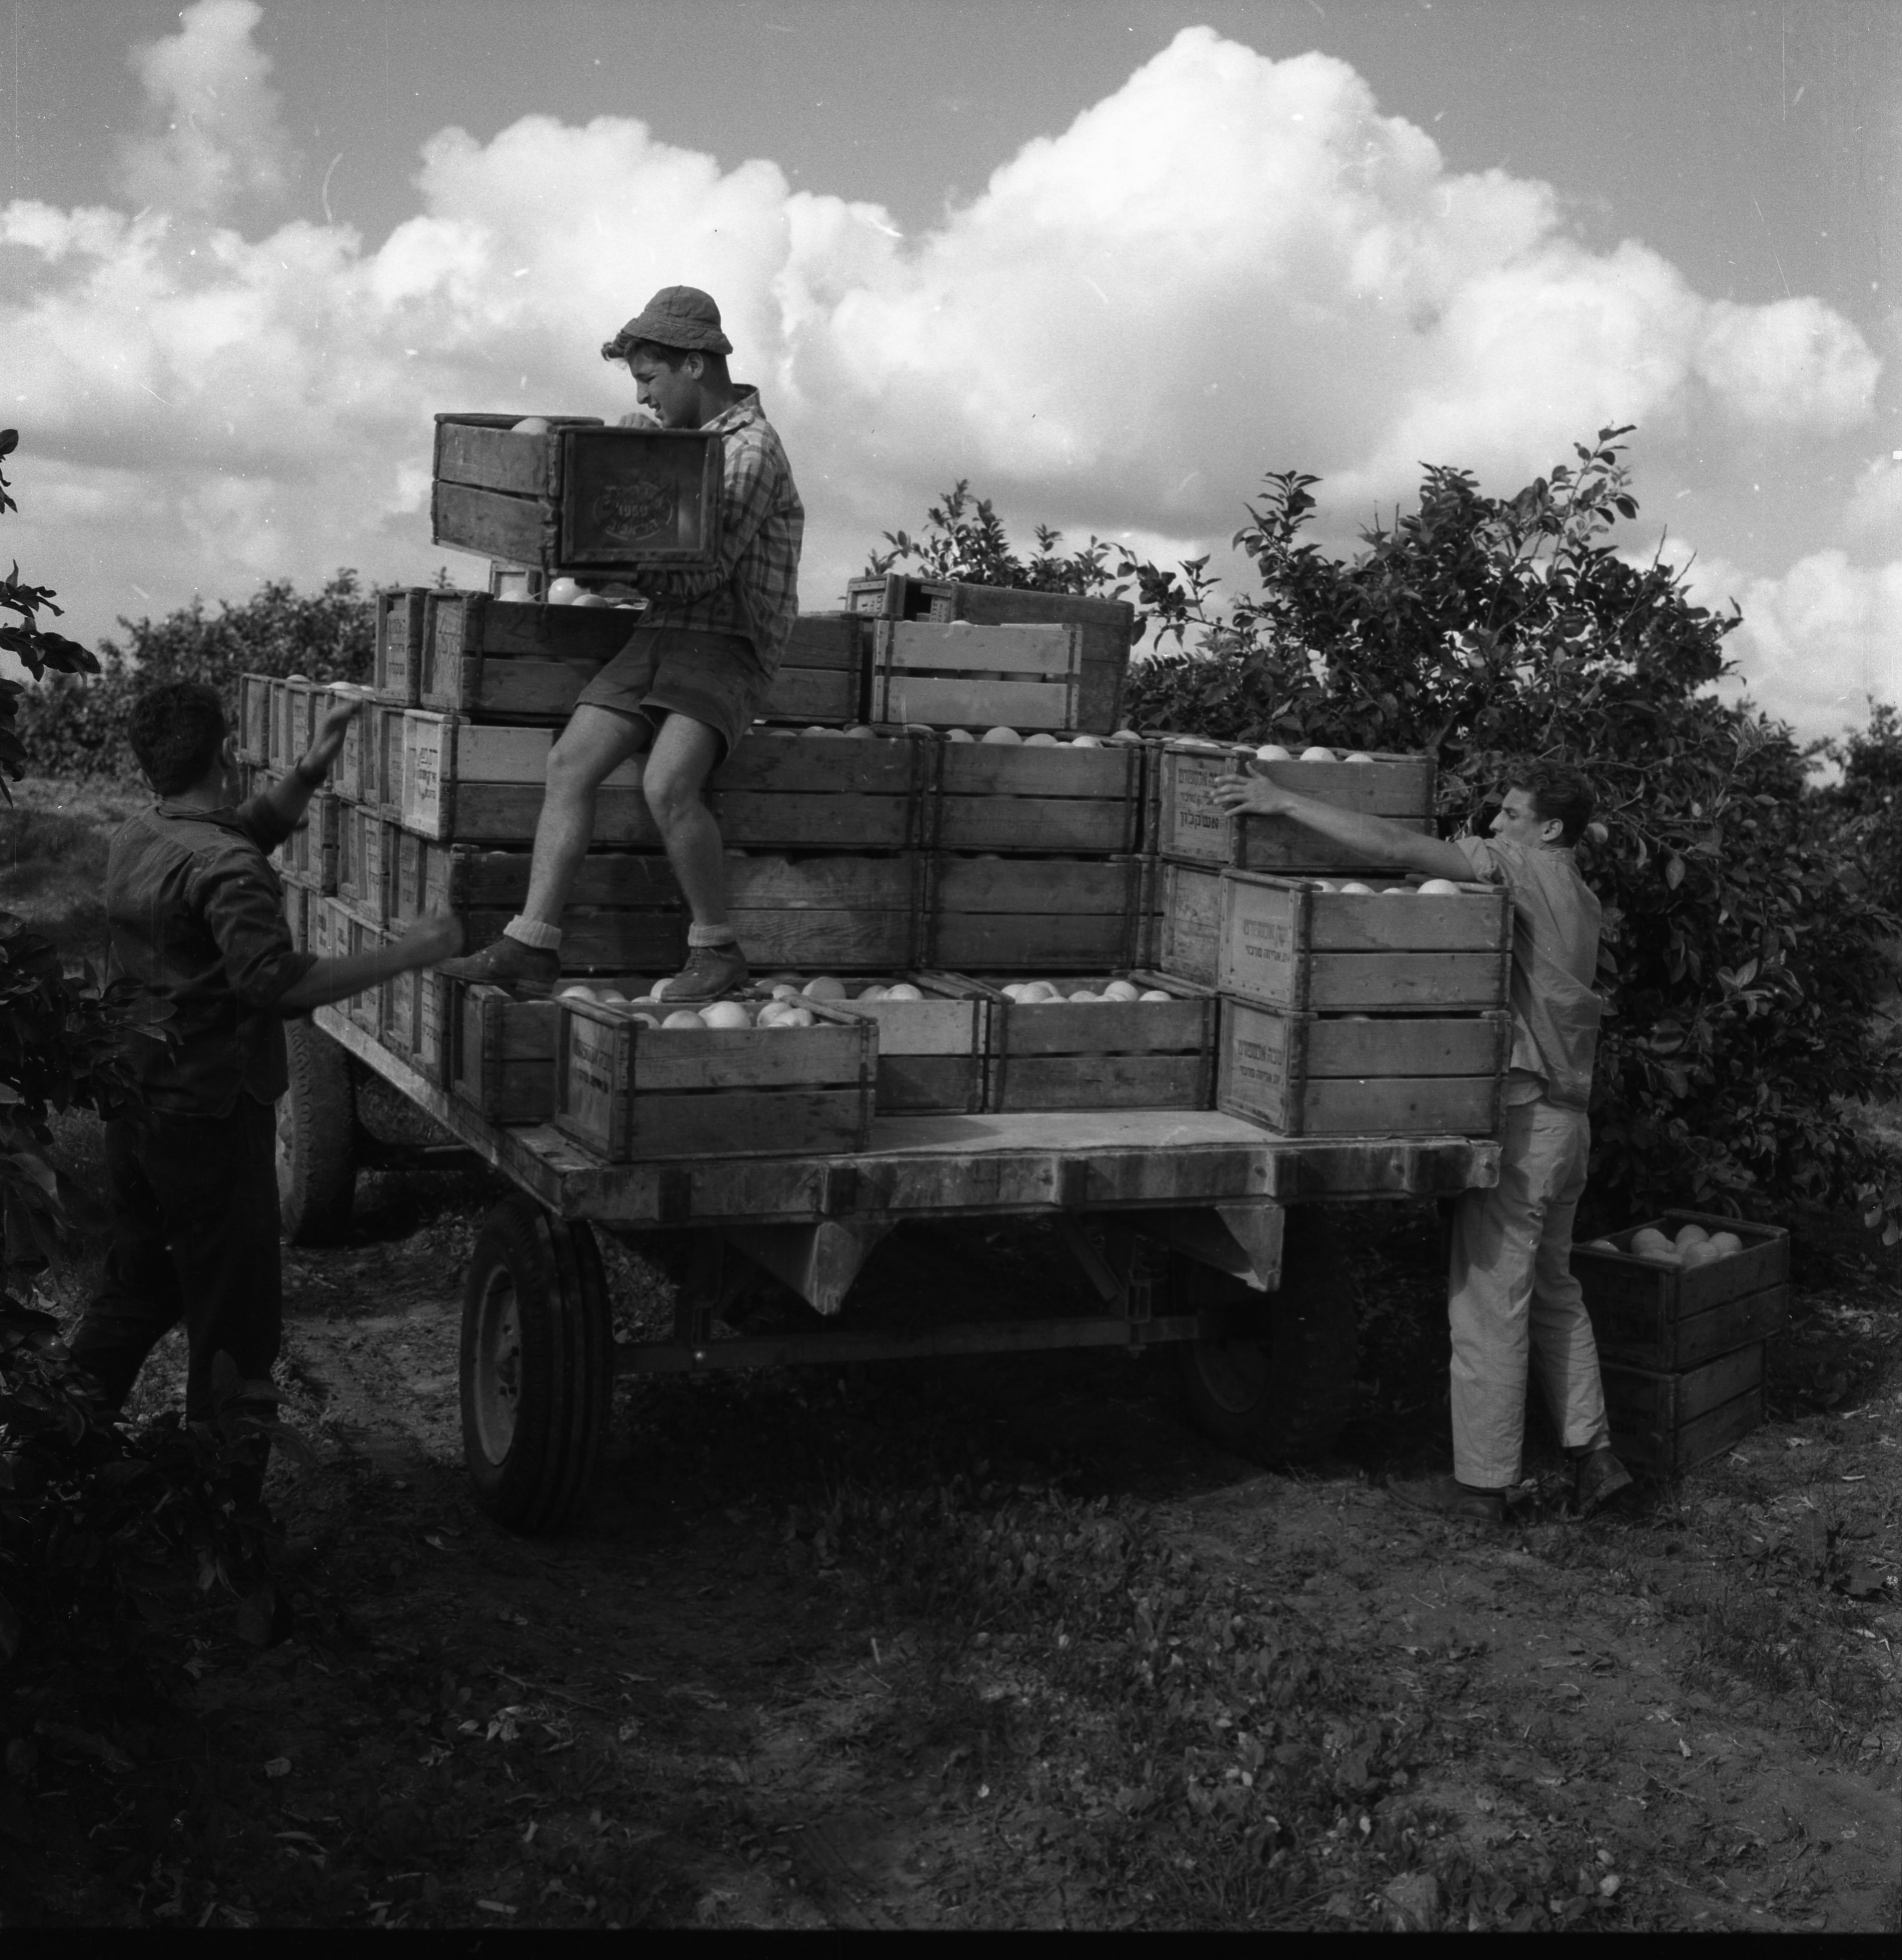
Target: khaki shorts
716 679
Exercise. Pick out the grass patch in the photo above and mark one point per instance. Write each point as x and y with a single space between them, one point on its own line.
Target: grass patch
53 846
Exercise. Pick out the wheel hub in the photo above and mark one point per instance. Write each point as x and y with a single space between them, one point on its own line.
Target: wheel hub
498 1368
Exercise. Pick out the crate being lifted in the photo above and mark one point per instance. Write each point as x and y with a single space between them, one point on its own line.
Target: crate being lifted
1187 825
579 499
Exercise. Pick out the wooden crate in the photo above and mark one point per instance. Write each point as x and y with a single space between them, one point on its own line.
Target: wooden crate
932 1053
582 498
359 935
1315 1075
300 715
279 757
1668 1319
1284 944
500 1052
432 1026
492 658
399 671
958 676
1035 915
1188 901
396 1020
254 719
1666 1424
366 844
1107 625
515 660
311 851
1006 797
1106 1055
824 675
779 791
347 777
385 757
632 1093
1186 823
349 855
836 912
327 927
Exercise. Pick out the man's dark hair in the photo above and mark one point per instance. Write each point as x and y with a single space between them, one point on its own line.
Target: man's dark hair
176 729
621 349
1557 790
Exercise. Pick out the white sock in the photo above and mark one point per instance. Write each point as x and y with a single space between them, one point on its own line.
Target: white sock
532 932
712 935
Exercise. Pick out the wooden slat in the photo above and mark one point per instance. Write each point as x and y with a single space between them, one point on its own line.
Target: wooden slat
1119 1080
916 646
972 704
521 529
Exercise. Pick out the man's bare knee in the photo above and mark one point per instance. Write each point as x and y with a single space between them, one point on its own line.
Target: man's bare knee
673 798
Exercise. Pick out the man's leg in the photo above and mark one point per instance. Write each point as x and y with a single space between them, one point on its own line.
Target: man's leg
1565 1351
685 753
1496 1235
139 1301
594 744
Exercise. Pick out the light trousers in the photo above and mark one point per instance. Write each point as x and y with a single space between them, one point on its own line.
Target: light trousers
1513 1304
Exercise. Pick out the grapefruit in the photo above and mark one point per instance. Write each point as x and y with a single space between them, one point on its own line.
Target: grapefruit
904 990
1273 751
1319 754
683 1017
726 1014
1043 738
824 988
958 735
530 425
1726 1242
1439 888
1003 737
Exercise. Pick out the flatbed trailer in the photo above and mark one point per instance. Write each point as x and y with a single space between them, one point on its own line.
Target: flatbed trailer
1181 1220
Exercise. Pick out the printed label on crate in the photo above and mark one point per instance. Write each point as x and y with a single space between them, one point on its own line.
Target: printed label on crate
1197 823
1258 1059
626 512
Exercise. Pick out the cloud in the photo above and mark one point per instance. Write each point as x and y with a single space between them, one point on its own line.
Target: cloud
1231 263
1817 642
214 133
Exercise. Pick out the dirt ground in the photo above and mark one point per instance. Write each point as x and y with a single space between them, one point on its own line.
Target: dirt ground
1004 1643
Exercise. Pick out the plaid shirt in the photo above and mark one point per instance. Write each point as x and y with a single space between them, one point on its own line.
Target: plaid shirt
754 590
197 914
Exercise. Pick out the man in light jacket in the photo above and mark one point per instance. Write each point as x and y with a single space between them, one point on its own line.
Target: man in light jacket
1512 1301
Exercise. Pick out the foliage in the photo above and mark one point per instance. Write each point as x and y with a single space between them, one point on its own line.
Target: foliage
1864 808
1741 959
38 648
77 727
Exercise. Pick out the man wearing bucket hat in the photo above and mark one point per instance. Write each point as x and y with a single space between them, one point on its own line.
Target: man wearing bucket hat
692 674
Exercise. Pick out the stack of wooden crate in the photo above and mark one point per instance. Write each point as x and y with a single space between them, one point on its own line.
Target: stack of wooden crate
1682 1348
877 851
1381 1011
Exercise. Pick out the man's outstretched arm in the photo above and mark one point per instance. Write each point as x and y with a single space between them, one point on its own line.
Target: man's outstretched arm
1371 836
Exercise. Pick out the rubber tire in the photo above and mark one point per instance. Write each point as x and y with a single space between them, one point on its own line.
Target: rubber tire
1280 1387
317 1139
537 1366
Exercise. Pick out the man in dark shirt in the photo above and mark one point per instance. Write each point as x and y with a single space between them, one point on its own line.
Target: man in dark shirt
196 914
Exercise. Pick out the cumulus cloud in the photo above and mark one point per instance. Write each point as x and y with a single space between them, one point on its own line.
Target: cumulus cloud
1817 642
214 133
1230 264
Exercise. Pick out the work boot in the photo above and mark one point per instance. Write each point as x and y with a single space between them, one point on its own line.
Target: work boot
1446 1496
710 973
1596 1479
508 963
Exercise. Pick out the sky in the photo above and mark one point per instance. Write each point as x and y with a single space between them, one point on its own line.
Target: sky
1111 260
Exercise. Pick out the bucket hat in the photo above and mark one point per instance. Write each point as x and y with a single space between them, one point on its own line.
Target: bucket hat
676 316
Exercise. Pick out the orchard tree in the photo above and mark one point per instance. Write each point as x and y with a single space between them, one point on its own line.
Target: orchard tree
1742 960
77 726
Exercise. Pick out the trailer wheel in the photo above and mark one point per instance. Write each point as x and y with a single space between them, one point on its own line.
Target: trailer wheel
317 1138
537 1366
1280 1386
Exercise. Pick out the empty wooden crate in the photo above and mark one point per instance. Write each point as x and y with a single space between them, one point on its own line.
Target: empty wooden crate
578 498
1035 915
931 1051
1315 1075
1050 799
399 670
1287 944
966 676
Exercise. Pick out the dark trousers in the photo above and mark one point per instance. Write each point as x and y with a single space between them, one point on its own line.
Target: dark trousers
194 1238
